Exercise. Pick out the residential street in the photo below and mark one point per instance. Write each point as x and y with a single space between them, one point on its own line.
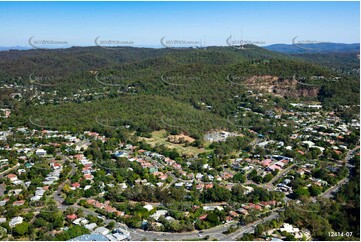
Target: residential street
215 232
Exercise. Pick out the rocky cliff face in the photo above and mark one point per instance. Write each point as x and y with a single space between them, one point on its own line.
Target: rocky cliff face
281 87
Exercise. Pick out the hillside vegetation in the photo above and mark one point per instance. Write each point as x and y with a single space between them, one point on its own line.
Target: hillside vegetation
141 85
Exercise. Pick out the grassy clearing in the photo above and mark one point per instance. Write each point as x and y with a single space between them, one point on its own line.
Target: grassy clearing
160 138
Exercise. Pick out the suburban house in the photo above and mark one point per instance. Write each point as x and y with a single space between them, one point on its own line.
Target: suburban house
15 221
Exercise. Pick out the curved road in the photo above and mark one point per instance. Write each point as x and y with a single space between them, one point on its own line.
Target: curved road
216 232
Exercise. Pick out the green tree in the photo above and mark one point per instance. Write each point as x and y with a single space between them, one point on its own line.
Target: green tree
213 219
301 192
315 190
239 177
21 229
267 178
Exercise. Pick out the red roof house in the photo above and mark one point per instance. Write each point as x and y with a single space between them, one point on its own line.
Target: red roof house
76 184
203 217
71 216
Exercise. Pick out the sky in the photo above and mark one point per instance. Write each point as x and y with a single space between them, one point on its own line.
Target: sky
146 23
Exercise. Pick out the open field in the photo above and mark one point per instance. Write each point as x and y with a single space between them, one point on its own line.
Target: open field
160 138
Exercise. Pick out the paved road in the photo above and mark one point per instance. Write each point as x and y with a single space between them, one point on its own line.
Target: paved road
55 195
269 185
216 232
328 192
349 155
282 173
250 227
2 189
138 234
174 180
9 170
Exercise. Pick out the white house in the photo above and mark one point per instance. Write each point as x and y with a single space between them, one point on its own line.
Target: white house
91 226
178 184
247 190
15 221
35 198
289 228
102 230
199 176
159 213
40 152
148 207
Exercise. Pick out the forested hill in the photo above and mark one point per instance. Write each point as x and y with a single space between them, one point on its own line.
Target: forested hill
343 62
208 80
75 59
75 66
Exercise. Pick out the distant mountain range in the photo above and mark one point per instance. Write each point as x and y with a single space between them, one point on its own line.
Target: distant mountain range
297 48
3 48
